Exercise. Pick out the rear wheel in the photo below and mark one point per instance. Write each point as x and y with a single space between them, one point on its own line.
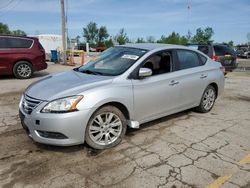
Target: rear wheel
22 70
207 100
105 128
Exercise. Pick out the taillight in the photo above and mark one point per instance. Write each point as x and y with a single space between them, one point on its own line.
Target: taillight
214 57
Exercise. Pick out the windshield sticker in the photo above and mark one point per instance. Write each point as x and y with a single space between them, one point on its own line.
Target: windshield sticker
133 57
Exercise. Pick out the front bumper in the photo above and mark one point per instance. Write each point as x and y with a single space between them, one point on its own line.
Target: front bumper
71 125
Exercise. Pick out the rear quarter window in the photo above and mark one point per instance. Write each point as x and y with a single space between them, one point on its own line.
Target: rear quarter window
40 45
203 59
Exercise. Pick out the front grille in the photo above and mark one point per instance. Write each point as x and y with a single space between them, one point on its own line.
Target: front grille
29 104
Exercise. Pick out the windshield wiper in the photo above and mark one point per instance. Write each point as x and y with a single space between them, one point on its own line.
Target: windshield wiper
91 72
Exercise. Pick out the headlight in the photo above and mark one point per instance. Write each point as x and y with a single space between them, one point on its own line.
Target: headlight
62 105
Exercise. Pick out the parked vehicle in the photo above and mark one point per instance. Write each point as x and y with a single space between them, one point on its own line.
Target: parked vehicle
218 52
21 56
100 49
127 86
243 52
50 42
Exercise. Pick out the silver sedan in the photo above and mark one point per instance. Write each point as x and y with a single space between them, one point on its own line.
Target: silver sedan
127 85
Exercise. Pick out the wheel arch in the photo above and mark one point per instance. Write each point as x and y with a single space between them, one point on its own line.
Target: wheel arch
118 105
22 59
215 87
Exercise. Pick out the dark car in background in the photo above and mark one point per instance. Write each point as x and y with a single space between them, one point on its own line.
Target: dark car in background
243 52
21 56
218 52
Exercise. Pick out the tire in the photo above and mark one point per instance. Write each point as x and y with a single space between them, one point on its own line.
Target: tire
207 100
23 70
100 134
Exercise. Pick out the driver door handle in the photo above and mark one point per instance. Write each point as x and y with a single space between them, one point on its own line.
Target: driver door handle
203 76
173 82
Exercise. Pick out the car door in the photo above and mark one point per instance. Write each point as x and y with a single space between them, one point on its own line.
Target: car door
5 56
155 95
192 76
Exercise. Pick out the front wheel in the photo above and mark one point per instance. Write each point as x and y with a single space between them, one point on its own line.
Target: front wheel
207 100
105 128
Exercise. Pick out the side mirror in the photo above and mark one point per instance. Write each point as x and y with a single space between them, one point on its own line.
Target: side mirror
145 72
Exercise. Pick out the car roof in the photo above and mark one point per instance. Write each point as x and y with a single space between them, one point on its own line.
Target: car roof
152 46
16 36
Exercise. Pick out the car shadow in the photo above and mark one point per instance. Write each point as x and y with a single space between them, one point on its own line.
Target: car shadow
131 132
68 149
94 152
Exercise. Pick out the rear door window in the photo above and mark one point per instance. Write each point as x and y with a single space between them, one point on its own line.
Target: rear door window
187 59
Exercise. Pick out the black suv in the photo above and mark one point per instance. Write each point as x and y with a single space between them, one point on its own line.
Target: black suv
218 52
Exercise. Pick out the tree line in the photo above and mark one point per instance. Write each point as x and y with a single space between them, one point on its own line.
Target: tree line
100 37
4 29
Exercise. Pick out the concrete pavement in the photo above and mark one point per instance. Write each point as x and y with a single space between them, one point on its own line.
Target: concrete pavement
187 149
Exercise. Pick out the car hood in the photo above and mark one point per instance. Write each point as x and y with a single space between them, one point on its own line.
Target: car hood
64 84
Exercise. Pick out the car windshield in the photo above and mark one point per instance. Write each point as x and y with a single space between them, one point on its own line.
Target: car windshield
113 61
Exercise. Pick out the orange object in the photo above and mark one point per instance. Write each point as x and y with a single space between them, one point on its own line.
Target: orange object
70 57
82 57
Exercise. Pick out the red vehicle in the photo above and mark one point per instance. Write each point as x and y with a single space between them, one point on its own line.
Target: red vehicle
21 56
100 49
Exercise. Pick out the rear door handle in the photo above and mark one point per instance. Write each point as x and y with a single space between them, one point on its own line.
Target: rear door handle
203 76
173 82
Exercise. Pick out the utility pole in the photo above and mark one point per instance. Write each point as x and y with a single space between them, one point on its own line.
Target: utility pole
63 32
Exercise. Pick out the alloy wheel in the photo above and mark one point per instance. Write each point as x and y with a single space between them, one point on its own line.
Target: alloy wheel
208 99
105 128
24 70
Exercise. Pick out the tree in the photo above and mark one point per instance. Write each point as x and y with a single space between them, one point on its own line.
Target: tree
173 38
109 43
150 39
231 43
140 40
90 32
203 36
102 36
19 32
122 37
4 29
94 35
